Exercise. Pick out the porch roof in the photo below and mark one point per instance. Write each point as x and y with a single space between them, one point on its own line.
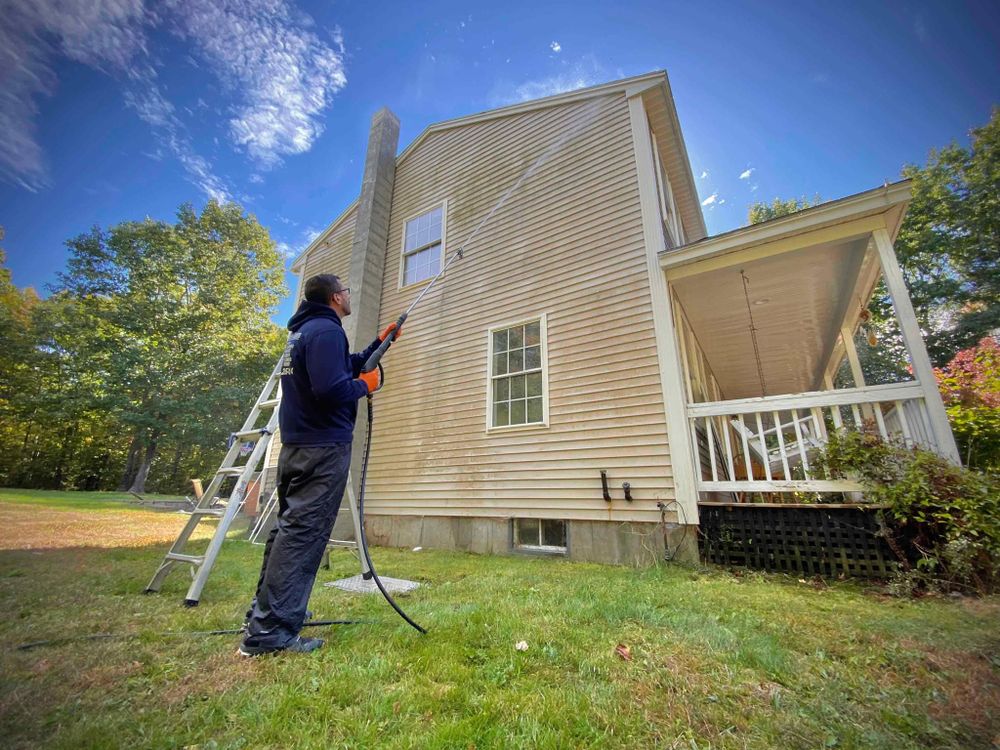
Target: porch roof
800 277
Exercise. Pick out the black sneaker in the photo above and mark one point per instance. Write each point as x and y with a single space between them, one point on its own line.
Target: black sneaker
299 645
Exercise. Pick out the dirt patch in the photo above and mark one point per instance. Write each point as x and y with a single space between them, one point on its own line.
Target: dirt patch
33 527
969 688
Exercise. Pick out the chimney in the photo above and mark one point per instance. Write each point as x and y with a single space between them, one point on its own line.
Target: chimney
367 268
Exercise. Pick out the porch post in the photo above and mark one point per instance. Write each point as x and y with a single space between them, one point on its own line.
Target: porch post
664 326
922 368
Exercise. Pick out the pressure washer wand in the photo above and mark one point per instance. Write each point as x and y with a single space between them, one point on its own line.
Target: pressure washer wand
373 360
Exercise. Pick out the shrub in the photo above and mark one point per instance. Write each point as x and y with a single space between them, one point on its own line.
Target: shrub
970 386
942 520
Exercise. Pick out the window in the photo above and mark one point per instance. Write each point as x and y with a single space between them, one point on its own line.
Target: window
668 208
423 237
540 534
517 385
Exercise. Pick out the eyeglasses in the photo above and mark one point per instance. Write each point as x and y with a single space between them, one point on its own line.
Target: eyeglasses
345 290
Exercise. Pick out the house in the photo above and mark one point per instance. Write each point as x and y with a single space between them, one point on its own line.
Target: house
595 364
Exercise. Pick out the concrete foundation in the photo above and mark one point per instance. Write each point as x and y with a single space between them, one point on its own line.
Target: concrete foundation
636 544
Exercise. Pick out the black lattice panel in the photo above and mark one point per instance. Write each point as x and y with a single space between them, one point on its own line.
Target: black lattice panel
826 540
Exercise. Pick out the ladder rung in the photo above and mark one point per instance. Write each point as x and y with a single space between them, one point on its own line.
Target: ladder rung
232 470
208 512
269 404
251 434
193 559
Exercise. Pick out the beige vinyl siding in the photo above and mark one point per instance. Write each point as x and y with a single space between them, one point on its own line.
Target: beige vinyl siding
332 256
567 244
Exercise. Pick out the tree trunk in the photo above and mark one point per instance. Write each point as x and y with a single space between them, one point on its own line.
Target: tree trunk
133 455
139 483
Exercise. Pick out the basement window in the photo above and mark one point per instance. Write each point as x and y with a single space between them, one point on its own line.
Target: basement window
423 243
517 383
540 535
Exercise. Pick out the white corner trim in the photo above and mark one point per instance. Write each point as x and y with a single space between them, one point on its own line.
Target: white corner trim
671 377
910 329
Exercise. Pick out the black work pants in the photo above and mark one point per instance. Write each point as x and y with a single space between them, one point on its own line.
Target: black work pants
311 483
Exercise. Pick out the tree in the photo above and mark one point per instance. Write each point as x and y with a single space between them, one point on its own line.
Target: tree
949 244
970 386
762 211
179 337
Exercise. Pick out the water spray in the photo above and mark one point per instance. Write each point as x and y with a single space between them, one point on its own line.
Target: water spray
374 361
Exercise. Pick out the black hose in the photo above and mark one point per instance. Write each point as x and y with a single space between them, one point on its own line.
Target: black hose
363 541
167 634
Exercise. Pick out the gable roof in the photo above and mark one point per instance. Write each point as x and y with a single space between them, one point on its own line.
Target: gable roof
655 90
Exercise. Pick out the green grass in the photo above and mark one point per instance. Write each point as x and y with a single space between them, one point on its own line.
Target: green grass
56 499
717 660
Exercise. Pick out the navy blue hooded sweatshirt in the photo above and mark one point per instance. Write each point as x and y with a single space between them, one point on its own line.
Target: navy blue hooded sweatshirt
319 390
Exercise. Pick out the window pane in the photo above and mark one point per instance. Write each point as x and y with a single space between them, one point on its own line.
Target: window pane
532 357
517 386
500 363
531 334
422 265
516 337
554 533
499 341
534 387
534 410
516 360
501 414
517 410
501 389
527 531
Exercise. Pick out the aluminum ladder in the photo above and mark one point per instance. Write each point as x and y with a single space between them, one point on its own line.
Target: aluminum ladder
201 565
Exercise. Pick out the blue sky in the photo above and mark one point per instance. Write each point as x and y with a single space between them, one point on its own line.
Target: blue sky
114 110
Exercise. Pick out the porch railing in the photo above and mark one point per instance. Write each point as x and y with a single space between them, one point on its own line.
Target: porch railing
769 444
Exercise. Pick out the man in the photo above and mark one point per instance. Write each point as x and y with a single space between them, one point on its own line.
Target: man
321 382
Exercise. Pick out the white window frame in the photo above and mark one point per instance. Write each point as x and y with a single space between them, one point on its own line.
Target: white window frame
544 341
403 254
546 548
665 194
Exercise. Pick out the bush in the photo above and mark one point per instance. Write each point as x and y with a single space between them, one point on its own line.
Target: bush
970 386
942 520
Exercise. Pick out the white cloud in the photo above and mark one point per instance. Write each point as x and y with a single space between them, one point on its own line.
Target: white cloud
745 174
281 75
555 47
585 72
256 179
104 34
710 199
703 175
285 75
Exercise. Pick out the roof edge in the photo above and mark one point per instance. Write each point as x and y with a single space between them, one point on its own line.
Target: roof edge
300 259
567 97
884 197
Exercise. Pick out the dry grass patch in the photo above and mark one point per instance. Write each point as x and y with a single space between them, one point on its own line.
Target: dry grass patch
34 527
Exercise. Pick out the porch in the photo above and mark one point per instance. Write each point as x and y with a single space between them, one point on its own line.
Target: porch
763 319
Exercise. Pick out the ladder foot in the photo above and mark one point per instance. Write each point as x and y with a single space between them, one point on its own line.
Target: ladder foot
150 591
190 603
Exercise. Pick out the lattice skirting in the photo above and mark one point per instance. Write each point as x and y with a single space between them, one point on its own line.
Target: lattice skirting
827 540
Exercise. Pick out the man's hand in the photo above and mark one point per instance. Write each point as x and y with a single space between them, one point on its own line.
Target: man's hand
372 379
388 330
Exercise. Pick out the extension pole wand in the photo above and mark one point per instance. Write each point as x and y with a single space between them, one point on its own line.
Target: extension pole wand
373 360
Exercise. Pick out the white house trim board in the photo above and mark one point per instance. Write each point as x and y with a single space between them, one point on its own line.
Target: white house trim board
682 263
668 354
910 329
890 199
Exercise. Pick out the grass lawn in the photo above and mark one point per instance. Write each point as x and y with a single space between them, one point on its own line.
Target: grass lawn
717 660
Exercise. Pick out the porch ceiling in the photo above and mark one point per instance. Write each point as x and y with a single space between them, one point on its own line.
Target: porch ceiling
798 300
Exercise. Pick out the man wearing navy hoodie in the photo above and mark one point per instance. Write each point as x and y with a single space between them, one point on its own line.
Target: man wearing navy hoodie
321 382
